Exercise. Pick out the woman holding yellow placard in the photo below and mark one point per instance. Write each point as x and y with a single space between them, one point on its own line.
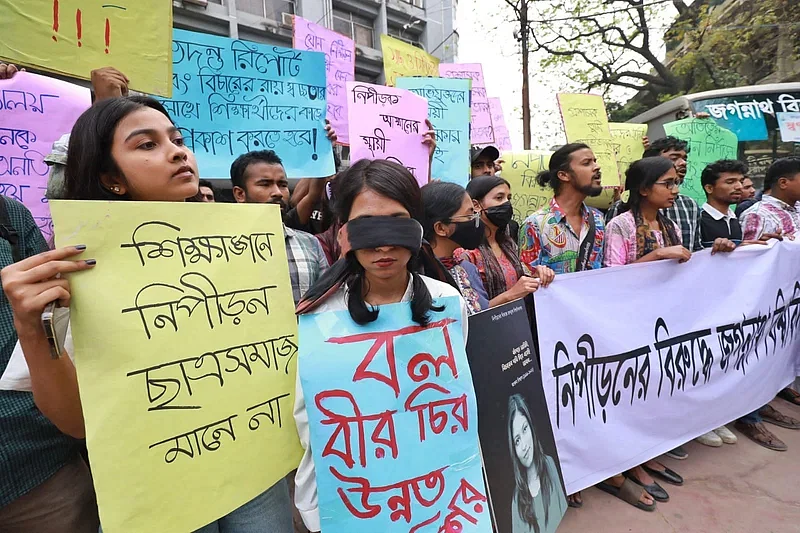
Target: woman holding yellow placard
120 149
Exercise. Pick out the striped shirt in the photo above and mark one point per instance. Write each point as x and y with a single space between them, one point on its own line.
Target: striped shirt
32 449
307 261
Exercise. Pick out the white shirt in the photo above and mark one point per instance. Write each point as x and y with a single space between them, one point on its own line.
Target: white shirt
305 495
17 375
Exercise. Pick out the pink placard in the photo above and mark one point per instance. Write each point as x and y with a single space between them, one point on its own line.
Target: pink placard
502 140
481 131
340 65
35 111
388 123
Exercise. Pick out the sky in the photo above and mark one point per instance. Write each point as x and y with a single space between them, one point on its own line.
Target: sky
484 38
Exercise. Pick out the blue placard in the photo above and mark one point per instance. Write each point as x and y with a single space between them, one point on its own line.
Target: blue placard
449 112
231 96
393 422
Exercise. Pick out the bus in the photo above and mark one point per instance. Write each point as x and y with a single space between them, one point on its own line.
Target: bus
751 112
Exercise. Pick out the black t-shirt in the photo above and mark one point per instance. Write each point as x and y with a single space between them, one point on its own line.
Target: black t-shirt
711 229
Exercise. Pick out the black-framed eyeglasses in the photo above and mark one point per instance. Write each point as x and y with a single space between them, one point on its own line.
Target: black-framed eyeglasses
670 184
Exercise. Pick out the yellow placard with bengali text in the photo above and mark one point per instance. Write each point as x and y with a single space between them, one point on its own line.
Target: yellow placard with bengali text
185 347
401 59
520 170
628 145
73 37
585 121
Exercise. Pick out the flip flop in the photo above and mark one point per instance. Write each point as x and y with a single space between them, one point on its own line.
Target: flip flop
629 492
790 396
668 475
654 489
574 504
775 417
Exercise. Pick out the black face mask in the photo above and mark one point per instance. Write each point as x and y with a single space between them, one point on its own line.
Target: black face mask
500 215
467 235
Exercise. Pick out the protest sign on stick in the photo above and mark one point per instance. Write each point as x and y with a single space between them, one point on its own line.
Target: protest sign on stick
516 437
340 65
234 96
393 428
502 140
448 110
35 111
585 121
186 365
622 388
481 121
628 142
74 37
708 142
520 170
401 59
388 123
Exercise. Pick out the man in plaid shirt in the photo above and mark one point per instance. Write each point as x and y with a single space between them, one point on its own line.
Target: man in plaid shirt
685 213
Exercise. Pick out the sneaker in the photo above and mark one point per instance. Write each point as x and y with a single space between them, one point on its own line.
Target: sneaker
759 434
710 439
726 435
678 453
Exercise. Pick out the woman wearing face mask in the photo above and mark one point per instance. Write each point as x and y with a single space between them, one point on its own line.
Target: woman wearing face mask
379 203
497 258
539 503
450 222
120 149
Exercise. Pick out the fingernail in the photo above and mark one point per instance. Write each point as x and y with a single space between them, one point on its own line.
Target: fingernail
91 261
80 247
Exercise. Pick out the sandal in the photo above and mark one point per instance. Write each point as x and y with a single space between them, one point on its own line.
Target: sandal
773 416
575 504
790 395
668 475
629 492
653 489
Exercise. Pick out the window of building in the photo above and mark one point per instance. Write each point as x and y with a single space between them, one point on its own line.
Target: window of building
405 35
418 3
357 28
269 9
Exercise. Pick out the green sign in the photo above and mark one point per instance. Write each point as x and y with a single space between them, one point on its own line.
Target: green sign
708 142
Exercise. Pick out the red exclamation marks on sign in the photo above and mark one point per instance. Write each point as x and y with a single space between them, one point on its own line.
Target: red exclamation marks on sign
79 26
108 35
55 19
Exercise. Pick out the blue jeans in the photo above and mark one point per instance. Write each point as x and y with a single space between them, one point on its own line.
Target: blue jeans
270 512
752 418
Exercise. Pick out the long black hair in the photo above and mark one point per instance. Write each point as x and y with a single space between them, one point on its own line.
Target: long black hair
516 404
478 188
559 162
441 200
396 183
89 153
642 174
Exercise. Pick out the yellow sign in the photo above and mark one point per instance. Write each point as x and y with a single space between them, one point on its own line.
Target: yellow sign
185 347
585 121
628 145
401 59
520 170
73 37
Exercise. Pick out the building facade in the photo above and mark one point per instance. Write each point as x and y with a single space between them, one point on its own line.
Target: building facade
428 24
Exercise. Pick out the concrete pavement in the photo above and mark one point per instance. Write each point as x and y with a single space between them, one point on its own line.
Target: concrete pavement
740 488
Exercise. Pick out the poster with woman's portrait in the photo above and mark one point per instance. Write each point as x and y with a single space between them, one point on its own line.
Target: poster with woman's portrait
526 489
